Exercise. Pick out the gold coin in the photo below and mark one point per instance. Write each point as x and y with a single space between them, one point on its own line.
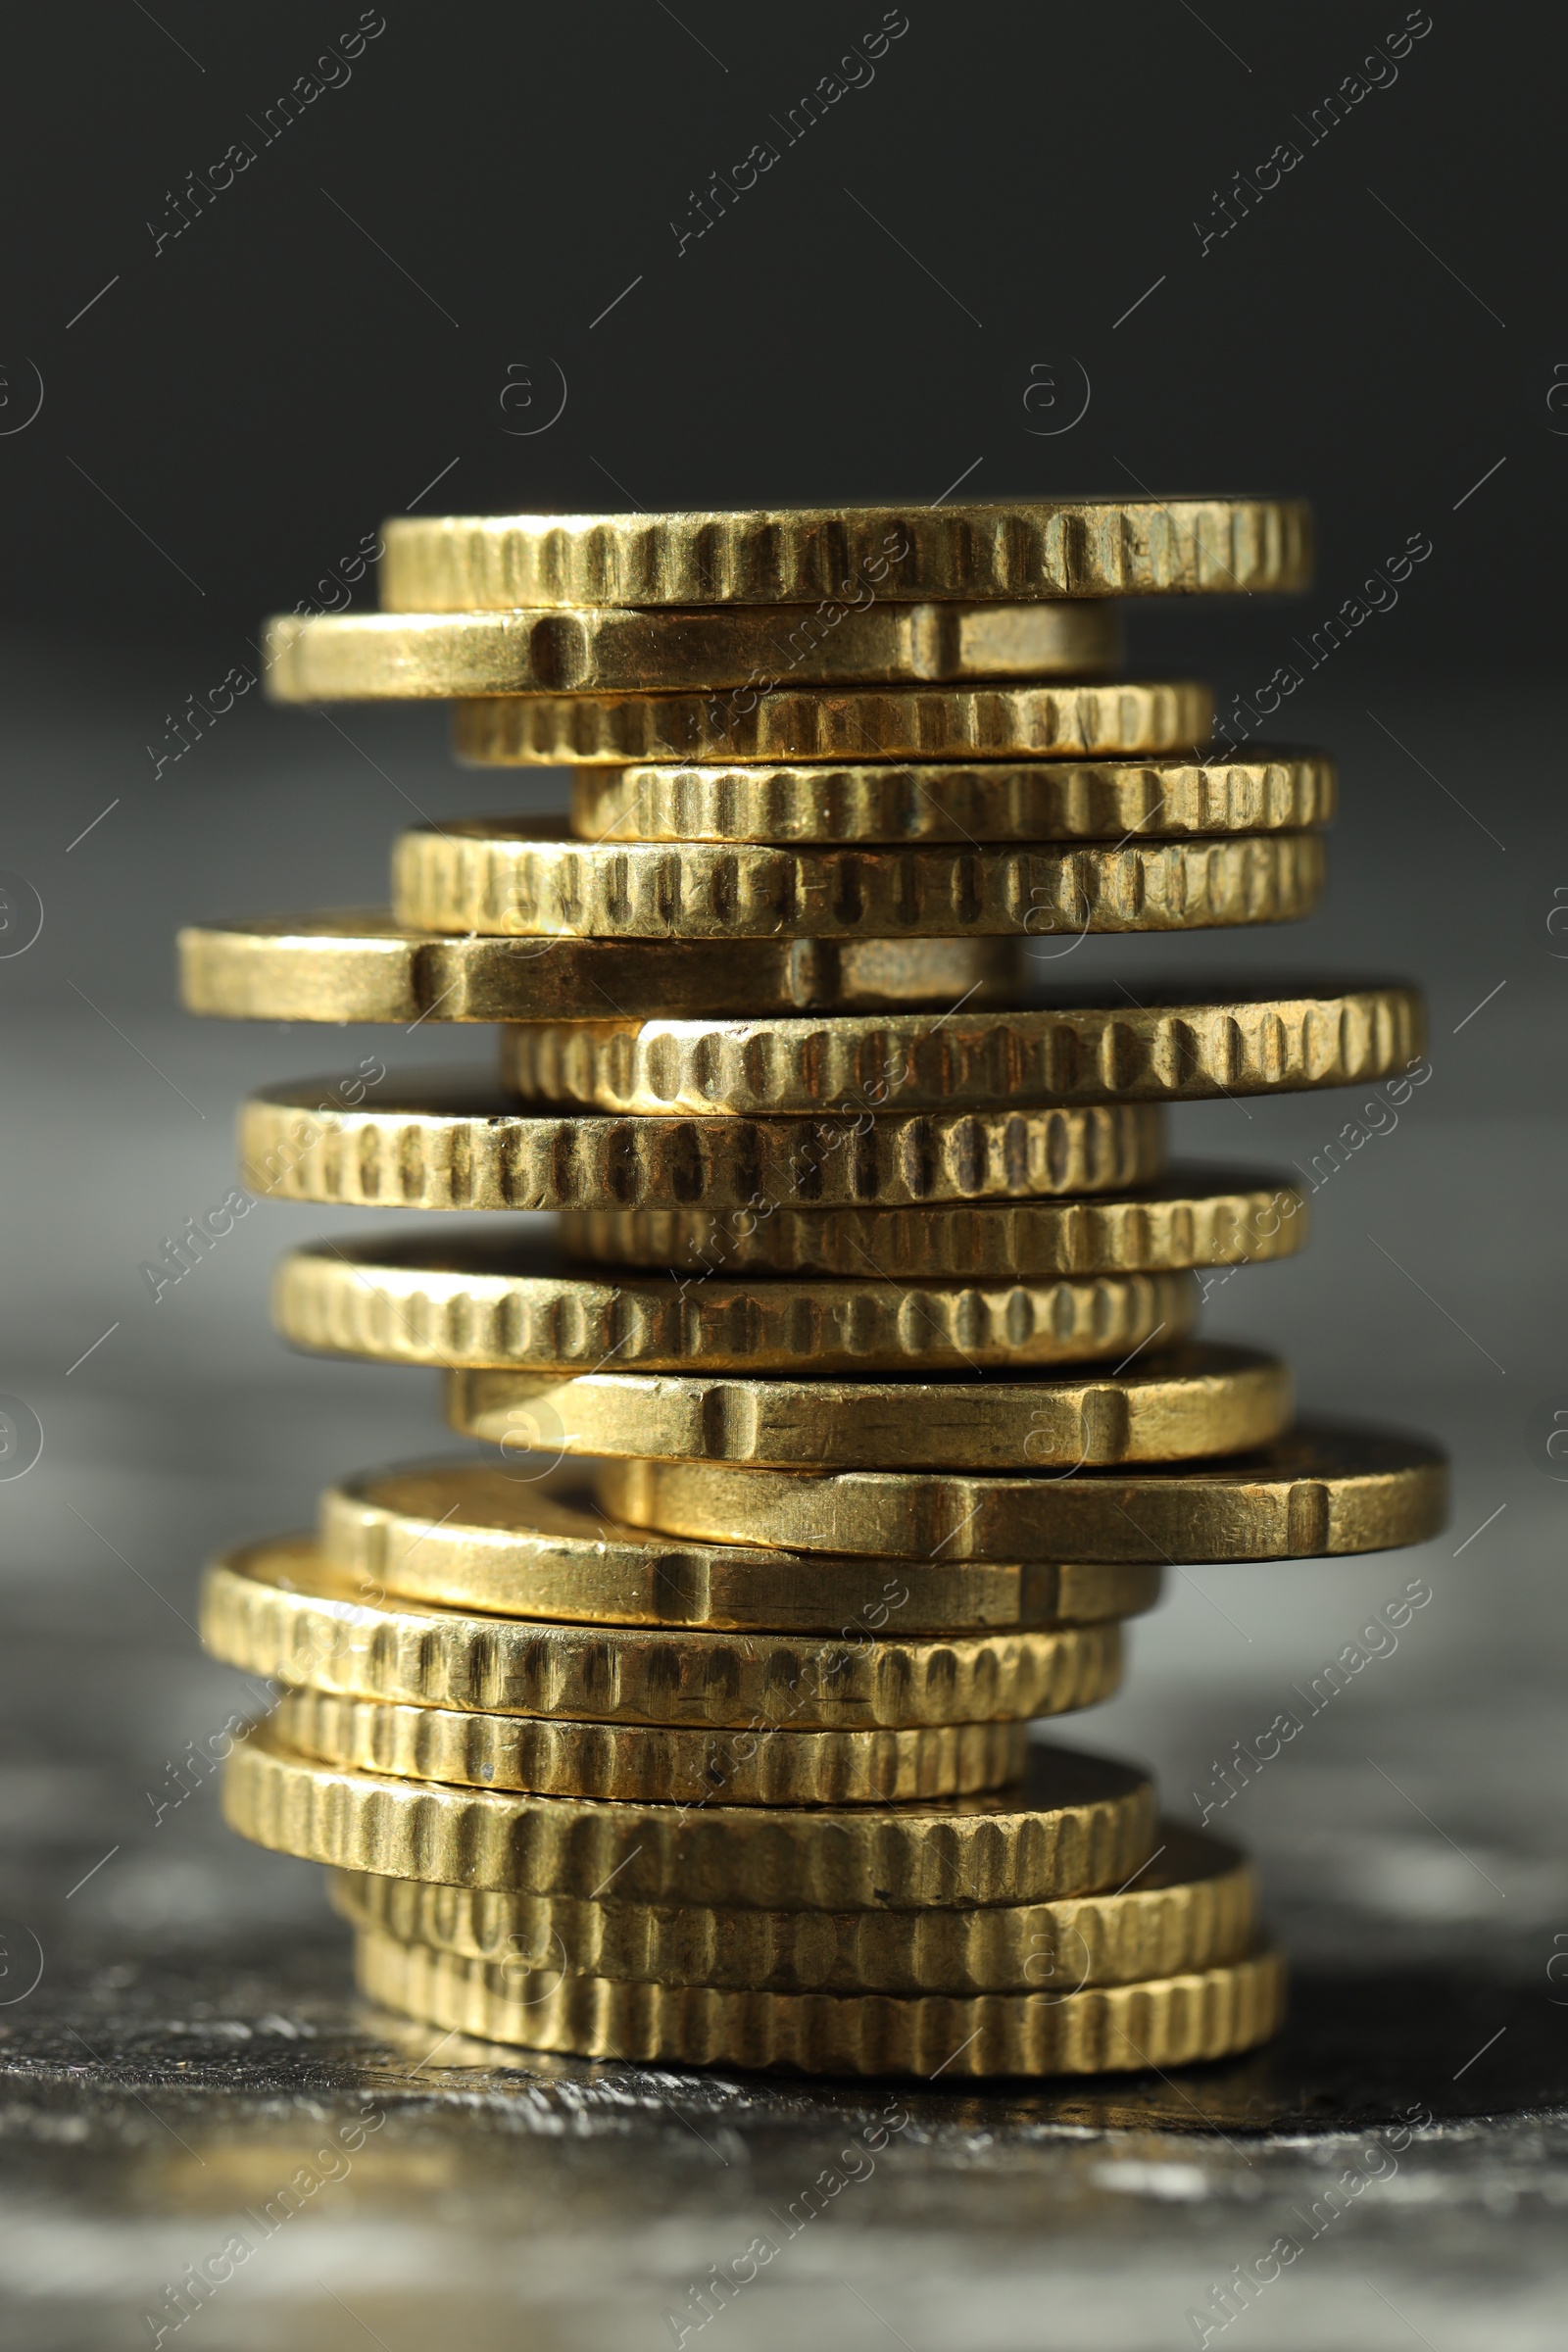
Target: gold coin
508 877
800 555
1196 1399
276 1609
868 722
492 1300
1074 1825
444 1140
1196 1216
356 657
1173 1048
950 801
1321 1492
644 1763
356 964
477 1538
1171 2020
1194 1906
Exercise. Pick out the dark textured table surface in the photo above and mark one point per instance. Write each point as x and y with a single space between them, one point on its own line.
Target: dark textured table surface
179 2041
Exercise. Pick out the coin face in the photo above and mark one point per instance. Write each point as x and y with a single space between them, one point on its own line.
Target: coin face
511 877
480 1538
1322 1491
338 657
1195 1400
1168 1047
276 1609
493 1300
1191 1906
440 1138
849 802
357 965
1163 2022
806 555
1075 1825
848 722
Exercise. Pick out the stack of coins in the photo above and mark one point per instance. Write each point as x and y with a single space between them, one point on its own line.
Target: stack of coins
873 1301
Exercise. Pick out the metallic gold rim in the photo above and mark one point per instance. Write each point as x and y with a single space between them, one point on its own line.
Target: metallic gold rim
1122 2028
1077 1825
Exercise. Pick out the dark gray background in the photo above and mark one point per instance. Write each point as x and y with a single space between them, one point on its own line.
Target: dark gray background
227 420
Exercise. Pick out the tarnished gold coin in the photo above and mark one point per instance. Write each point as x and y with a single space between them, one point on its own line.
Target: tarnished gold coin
352 963
644 1763
478 1538
1323 1491
356 657
1192 1906
509 877
443 1139
276 1609
957 801
864 722
1073 1826
806 555
1196 1216
1195 1399
1169 1048
1171 2020
492 1300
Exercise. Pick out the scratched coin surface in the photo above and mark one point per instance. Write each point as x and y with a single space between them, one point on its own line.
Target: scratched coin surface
803 555
490 1300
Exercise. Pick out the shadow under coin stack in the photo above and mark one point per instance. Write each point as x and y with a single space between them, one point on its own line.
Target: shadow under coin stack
873 1299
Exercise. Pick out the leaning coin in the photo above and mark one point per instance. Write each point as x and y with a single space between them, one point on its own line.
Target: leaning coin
642 1763
1074 1825
957 800
358 657
357 965
275 1609
841 555
1170 1048
478 1538
1192 1906
1198 1399
1194 1216
513 877
440 1138
494 1299
863 723
1321 1492
1171 2020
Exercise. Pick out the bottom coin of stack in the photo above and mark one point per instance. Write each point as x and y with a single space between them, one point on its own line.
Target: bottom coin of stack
580 1794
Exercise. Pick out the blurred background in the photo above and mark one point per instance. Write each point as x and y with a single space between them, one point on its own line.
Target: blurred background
1021 253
